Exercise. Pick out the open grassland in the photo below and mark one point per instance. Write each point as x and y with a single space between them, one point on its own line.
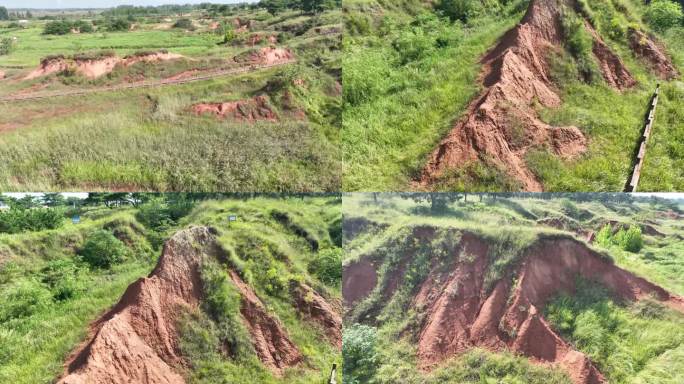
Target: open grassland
151 138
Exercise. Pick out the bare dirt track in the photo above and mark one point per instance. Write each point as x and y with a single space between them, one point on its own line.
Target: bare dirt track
462 312
144 84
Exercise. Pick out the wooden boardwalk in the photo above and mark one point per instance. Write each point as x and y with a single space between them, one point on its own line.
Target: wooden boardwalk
643 141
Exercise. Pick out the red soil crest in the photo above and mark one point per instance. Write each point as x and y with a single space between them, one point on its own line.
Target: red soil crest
461 312
501 125
652 53
267 55
318 310
137 340
94 68
271 342
251 110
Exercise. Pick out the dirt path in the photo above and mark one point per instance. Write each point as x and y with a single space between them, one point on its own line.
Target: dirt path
142 84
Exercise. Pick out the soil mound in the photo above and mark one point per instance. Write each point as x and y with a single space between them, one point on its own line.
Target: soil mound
255 109
267 56
613 69
271 342
462 312
93 68
501 124
318 310
137 340
48 66
646 48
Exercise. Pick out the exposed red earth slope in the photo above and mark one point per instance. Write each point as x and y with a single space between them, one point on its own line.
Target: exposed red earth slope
250 110
137 340
462 313
94 68
501 124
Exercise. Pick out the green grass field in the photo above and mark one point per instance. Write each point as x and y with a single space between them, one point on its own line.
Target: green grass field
149 139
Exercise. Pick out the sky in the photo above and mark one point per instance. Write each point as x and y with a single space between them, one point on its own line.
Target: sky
52 4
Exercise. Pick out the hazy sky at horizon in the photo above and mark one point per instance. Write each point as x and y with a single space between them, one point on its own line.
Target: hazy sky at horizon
56 4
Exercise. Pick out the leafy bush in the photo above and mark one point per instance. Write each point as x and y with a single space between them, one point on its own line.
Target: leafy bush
462 10
103 250
63 27
630 240
154 214
6 45
359 354
222 303
37 219
413 45
604 237
184 24
23 299
580 44
118 25
327 266
664 14
64 278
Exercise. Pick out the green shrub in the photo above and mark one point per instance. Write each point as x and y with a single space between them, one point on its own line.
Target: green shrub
118 25
604 236
359 354
630 240
580 44
64 278
103 250
664 14
327 266
184 24
23 299
462 10
222 303
37 219
154 214
413 45
6 45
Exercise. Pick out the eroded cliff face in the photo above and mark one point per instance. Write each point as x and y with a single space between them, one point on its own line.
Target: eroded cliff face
461 311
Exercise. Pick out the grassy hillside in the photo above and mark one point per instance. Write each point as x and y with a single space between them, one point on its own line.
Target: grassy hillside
630 342
154 138
411 72
54 283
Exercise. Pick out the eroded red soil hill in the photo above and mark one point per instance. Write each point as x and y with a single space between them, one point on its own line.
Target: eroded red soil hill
137 341
255 109
653 54
501 125
462 312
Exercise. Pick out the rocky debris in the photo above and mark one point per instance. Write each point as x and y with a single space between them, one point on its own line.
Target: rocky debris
252 110
646 48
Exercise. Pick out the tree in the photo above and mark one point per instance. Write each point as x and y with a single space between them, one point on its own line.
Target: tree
3 14
53 199
439 202
664 14
6 45
461 10
274 7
